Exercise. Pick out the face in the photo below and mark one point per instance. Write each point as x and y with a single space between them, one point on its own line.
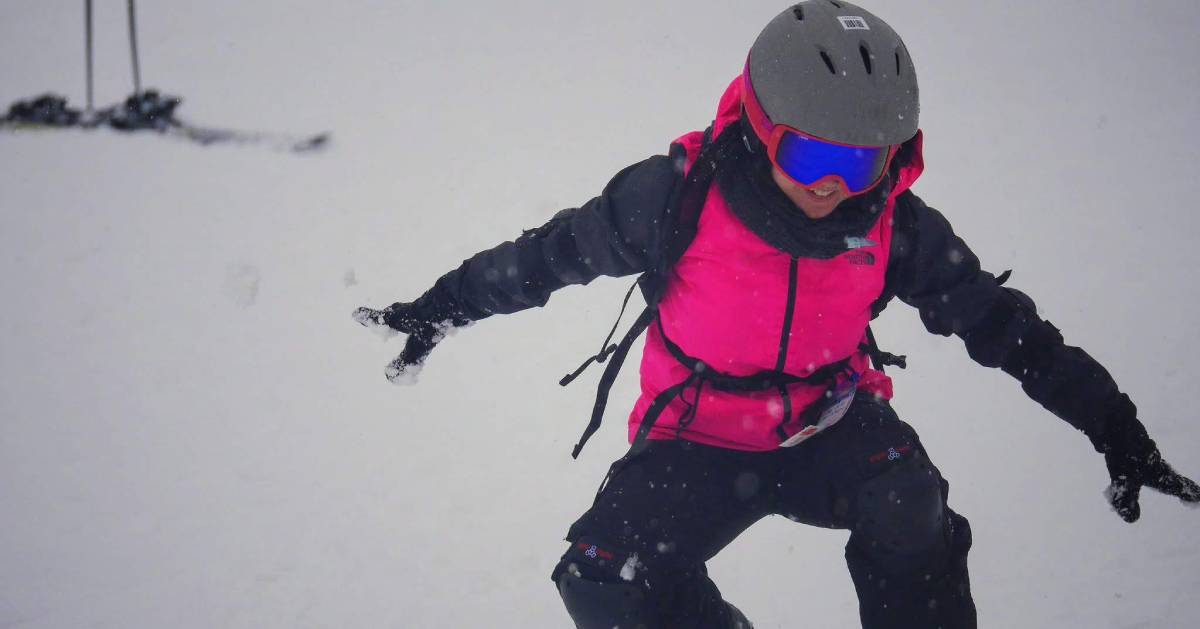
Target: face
816 201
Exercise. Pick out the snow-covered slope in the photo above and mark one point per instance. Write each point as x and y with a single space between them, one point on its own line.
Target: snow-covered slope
194 433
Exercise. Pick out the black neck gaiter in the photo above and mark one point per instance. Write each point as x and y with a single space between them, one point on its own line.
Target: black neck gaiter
744 176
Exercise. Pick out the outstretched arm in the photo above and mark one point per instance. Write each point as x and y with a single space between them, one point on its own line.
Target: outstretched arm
934 271
609 235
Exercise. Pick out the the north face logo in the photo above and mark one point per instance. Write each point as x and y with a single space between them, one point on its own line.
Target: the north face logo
861 258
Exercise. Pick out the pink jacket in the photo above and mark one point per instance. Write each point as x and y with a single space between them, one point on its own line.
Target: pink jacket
726 303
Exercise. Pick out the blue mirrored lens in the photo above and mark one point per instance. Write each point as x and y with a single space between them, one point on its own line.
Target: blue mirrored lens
808 161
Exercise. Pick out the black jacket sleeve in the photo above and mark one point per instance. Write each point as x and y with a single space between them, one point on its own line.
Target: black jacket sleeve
934 271
612 234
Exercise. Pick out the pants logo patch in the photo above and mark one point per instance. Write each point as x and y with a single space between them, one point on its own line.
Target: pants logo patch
891 454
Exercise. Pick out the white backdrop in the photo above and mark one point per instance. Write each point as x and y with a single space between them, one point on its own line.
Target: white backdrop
194 433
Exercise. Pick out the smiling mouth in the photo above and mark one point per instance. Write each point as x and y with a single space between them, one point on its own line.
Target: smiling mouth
825 191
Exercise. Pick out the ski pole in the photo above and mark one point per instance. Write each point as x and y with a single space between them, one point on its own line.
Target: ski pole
133 49
87 29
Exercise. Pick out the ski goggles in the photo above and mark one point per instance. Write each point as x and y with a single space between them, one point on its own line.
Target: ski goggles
807 159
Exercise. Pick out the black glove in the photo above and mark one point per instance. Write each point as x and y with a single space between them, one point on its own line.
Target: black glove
426 321
1134 461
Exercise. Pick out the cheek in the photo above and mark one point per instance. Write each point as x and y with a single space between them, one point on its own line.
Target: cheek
794 193
779 179
789 187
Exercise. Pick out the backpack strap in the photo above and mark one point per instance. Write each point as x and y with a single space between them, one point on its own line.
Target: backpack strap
619 352
682 218
702 374
880 358
680 222
606 350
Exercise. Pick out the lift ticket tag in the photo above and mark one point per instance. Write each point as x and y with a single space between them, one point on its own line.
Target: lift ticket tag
839 402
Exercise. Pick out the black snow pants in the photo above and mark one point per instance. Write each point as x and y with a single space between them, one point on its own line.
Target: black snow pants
670 507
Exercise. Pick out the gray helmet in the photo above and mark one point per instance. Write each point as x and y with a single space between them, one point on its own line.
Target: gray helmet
834 71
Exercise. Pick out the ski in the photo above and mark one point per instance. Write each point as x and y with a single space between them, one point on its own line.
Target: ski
146 111
285 142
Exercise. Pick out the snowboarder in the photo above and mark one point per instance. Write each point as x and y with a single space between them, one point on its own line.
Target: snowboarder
766 245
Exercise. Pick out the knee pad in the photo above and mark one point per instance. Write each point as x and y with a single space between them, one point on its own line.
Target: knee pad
604 605
901 513
602 587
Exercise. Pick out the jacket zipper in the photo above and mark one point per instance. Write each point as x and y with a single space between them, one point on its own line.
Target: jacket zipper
784 340
789 314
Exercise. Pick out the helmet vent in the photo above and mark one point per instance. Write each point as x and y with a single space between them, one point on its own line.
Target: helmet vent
835 3
866 57
798 11
897 62
828 62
